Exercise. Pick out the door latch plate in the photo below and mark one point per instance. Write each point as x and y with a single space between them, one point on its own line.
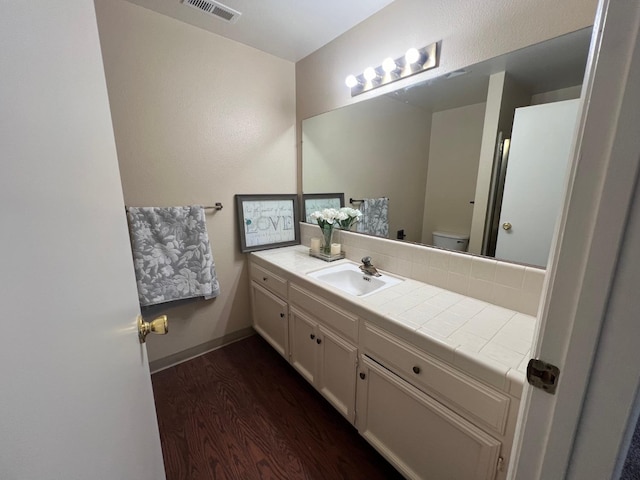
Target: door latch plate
543 375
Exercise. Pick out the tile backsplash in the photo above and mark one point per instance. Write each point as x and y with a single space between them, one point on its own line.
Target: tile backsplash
508 285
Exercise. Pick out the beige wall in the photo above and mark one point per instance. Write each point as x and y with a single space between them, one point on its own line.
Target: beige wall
193 126
372 149
470 32
197 119
456 137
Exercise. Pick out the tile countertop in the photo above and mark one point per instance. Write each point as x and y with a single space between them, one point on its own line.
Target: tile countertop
490 343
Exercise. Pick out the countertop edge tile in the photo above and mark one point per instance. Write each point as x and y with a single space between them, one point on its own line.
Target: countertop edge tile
481 367
515 380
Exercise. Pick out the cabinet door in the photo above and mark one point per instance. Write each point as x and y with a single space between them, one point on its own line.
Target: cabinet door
304 349
337 365
420 436
270 318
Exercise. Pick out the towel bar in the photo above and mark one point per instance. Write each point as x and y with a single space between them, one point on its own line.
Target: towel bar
355 200
217 206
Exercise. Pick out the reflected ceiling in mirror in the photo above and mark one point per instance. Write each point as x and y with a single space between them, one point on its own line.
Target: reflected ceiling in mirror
431 147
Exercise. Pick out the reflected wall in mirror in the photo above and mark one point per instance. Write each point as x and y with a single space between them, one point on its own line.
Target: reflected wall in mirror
434 148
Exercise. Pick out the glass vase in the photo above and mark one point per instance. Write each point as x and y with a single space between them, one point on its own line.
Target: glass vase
327 238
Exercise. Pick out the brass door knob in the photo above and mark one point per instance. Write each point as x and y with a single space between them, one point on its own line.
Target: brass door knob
506 226
158 326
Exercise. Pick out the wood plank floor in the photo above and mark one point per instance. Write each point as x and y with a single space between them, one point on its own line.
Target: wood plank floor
242 412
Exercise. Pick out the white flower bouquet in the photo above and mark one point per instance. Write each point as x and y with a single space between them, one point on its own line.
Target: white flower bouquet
329 218
326 217
348 216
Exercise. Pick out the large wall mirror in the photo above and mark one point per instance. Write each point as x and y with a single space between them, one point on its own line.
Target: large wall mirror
446 152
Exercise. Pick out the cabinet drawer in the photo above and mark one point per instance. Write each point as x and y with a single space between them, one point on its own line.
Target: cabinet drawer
268 280
330 315
464 394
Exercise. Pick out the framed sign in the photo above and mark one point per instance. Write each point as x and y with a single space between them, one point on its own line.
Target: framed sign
267 221
313 202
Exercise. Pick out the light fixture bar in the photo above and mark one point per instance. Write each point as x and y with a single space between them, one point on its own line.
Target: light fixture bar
422 59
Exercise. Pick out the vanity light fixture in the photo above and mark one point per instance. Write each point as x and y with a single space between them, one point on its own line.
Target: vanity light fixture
351 81
413 61
369 74
412 56
389 65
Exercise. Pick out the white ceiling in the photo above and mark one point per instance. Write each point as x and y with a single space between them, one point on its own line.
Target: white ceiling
289 29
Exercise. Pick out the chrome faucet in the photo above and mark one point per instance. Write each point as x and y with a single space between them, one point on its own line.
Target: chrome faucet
369 269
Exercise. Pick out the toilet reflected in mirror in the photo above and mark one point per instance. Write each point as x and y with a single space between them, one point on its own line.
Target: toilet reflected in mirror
451 241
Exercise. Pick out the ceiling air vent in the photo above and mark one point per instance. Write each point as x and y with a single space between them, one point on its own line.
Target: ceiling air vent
215 9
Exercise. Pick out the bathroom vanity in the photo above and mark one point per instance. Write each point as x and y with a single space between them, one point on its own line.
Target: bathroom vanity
435 406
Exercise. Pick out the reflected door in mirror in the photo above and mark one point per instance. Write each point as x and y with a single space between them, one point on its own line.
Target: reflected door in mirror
534 185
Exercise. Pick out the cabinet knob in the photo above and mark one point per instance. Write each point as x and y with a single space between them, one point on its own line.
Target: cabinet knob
264 279
416 369
282 315
318 341
312 336
362 375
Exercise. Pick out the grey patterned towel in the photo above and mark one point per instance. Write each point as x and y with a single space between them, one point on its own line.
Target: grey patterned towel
171 254
374 220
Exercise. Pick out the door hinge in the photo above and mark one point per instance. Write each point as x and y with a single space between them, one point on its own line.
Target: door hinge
543 375
500 464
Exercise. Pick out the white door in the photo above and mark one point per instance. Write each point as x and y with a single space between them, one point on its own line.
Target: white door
588 319
76 399
541 141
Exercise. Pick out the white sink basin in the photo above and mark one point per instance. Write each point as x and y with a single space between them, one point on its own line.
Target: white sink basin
348 278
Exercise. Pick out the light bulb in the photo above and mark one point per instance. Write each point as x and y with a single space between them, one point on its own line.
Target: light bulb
412 56
389 65
351 81
369 73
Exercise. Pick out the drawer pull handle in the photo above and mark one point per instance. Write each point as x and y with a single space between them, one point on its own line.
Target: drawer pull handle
416 369
312 336
318 341
362 375
282 315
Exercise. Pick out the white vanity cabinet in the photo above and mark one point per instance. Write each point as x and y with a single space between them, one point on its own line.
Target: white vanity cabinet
324 357
427 418
419 435
269 308
319 339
